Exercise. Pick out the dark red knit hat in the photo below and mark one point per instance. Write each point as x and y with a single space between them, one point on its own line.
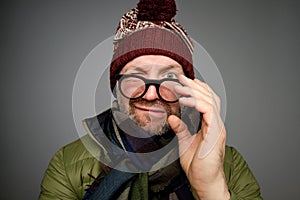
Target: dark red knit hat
150 29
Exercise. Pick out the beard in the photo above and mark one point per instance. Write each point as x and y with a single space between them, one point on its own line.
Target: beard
155 125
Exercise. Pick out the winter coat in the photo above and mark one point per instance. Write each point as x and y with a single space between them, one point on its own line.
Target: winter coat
67 175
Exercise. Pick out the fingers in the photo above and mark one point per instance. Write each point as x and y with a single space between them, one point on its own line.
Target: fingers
197 91
186 92
216 98
196 85
201 106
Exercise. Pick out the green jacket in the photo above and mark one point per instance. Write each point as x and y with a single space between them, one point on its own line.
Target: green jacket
67 174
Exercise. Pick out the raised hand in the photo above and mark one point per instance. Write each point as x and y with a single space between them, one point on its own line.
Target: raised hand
202 154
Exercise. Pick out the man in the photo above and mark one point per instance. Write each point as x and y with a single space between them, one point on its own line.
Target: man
157 97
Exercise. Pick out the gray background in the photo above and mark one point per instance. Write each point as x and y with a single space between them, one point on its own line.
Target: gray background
255 45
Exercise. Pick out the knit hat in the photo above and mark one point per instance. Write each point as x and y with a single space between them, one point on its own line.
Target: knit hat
150 29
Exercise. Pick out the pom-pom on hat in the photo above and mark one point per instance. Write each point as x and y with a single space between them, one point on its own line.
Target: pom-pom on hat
149 10
150 29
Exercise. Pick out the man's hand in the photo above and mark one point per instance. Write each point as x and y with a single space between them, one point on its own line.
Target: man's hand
202 154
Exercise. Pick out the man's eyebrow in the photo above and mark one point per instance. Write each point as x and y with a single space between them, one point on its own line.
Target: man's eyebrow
163 70
137 68
169 68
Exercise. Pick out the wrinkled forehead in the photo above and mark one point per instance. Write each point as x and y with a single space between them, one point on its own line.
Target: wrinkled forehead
152 63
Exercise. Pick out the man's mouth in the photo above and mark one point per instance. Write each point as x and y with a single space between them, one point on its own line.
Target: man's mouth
153 111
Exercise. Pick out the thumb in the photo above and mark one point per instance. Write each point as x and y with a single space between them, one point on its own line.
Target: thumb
180 129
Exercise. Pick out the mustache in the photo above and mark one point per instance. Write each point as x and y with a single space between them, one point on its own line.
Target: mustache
144 102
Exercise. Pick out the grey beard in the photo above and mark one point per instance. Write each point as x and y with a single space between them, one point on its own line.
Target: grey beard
158 130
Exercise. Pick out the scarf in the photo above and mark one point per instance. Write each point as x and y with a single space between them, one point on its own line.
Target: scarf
168 182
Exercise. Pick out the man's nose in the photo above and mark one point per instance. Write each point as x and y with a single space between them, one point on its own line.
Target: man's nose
151 94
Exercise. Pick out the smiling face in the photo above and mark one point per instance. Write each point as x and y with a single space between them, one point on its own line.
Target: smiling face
149 111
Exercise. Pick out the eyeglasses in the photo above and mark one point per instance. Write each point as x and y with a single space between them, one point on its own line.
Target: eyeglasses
134 87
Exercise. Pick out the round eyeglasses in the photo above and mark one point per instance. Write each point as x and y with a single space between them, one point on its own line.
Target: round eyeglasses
134 87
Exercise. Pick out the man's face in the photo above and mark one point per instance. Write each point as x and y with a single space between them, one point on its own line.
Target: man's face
149 111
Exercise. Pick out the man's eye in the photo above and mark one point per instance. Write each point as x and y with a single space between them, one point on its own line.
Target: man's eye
170 75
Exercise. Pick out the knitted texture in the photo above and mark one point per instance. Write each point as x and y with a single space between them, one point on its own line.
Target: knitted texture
150 29
159 10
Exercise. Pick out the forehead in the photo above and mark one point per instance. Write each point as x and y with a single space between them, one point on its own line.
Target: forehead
152 63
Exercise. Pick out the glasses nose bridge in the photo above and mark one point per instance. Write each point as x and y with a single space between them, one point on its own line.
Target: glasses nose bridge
155 83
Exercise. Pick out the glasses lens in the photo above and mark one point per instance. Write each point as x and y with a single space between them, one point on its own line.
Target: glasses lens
167 92
132 87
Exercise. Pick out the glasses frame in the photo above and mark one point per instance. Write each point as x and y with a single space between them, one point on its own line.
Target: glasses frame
148 83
